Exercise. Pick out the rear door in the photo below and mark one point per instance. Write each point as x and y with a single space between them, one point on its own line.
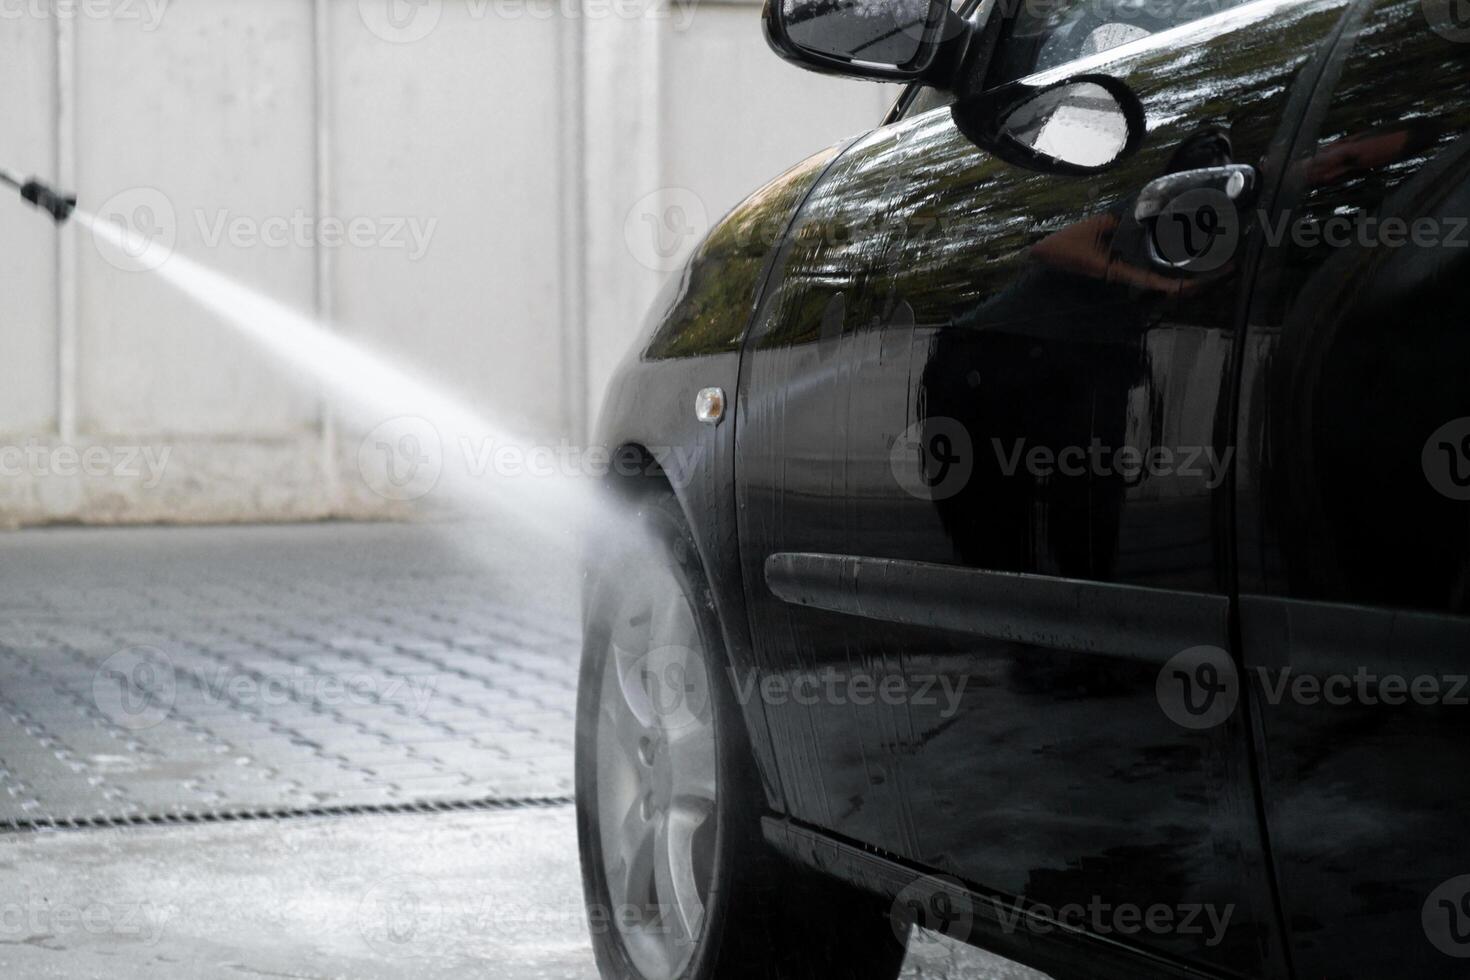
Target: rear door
983 474
1355 506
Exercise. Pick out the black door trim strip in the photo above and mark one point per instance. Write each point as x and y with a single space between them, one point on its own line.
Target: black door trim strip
1068 614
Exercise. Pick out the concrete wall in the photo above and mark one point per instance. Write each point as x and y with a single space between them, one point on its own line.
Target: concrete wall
508 162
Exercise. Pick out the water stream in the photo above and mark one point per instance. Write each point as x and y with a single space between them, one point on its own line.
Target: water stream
428 441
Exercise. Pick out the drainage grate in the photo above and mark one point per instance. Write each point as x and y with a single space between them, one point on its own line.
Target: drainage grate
103 821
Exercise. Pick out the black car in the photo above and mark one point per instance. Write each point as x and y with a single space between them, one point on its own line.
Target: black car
1076 558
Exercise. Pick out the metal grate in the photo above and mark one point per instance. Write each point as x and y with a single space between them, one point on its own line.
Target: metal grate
103 821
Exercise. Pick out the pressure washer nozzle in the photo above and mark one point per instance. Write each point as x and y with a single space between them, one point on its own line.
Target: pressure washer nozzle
56 203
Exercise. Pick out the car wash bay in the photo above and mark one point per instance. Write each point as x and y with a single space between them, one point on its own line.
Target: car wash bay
313 750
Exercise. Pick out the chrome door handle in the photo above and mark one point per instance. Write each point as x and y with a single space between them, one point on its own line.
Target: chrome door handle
1236 181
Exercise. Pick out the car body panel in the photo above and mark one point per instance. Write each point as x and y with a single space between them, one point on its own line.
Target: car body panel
911 286
691 341
941 301
1354 537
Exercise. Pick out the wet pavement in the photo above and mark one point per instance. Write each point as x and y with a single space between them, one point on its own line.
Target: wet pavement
235 670
285 701
493 895
390 897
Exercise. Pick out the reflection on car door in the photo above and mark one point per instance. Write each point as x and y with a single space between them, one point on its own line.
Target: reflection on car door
983 454
1355 507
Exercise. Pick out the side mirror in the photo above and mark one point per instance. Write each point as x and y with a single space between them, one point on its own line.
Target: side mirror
1082 125
887 40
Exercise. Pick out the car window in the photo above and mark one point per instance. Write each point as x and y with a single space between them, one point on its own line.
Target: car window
1046 35
1049 33
919 97
929 98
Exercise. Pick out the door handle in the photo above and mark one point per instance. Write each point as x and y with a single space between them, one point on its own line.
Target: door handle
1237 181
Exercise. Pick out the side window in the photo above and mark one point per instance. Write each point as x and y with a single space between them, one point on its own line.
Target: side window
921 98
928 98
1048 35
1045 35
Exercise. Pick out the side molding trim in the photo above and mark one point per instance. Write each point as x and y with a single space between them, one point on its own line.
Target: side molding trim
1068 614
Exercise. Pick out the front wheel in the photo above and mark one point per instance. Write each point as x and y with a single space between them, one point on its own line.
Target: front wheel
678 882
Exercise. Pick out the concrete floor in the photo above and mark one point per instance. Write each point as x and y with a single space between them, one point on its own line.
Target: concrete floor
488 894
492 895
206 670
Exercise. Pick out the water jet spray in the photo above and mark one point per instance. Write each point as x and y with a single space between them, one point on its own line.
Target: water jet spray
58 204
370 386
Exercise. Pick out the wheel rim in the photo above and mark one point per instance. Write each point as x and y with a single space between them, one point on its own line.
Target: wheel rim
656 776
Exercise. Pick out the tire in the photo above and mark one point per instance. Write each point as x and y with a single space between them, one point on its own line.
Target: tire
665 774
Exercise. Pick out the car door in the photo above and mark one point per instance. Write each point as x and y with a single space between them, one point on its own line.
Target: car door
983 479
1355 506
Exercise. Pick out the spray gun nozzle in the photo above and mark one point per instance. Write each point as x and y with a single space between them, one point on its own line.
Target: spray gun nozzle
56 203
